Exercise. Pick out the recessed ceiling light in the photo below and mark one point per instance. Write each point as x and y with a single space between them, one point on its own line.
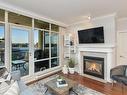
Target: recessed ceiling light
89 17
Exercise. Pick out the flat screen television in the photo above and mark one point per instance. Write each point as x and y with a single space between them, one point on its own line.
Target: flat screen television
93 35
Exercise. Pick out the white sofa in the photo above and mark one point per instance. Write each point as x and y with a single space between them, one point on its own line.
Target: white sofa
24 89
15 86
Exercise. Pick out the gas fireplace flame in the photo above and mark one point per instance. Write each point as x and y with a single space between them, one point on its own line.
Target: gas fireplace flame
93 67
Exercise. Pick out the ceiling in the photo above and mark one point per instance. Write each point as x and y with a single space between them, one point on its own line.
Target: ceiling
71 11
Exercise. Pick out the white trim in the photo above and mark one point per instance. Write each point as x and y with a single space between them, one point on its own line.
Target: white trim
41 74
122 19
123 31
21 27
32 48
54 57
42 59
41 29
50 46
17 25
31 14
92 19
105 16
2 22
7 42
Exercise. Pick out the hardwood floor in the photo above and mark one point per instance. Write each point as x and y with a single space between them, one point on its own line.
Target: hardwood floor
105 88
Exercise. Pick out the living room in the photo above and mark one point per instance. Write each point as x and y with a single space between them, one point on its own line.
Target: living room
42 42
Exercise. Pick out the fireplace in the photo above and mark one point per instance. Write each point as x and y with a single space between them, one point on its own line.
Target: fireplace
94 66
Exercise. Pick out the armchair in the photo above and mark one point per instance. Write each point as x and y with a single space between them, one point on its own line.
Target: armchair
119 74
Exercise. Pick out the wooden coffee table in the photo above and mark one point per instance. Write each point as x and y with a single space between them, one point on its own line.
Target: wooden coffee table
52 86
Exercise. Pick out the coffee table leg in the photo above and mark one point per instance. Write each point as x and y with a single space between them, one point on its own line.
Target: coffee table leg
71 89
46 90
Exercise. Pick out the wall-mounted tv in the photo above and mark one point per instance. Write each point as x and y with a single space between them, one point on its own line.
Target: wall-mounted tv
92 35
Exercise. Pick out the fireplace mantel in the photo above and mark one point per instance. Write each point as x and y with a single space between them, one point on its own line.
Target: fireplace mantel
96 48
108 50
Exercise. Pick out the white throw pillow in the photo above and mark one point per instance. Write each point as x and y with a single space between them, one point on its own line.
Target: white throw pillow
8 77
4 87
13 90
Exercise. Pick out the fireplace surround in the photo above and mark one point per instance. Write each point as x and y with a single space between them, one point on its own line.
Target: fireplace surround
93 66
103 51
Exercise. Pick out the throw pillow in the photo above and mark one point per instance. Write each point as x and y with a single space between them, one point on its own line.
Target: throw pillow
3 72
4 87
13 90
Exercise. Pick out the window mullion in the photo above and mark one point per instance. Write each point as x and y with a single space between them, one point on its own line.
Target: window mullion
49 45
7 42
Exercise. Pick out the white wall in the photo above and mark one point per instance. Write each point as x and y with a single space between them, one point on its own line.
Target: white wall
122 24
109 28
121 28
109 24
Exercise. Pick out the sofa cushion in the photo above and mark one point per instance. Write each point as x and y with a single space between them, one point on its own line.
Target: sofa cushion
13 90
5 85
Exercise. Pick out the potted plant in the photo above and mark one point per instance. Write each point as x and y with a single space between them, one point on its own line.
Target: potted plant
71 64
59 78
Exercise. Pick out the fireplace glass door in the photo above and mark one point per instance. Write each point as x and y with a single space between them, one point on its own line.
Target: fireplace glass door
94 66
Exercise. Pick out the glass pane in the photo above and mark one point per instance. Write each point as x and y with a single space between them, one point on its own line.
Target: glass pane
46 44
54 62
41 44
41 24
38 44
19 19
54 44
54 27
2 15
41 65
2 44
20 50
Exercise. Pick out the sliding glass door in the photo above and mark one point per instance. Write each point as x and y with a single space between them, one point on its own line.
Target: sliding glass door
20 50
28 44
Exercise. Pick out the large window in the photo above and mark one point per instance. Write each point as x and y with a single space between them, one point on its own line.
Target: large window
20 50
46 47
2 44
33 43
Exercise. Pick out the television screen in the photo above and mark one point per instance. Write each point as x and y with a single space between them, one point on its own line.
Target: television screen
93 35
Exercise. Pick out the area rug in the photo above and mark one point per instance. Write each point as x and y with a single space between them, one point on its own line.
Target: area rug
39 88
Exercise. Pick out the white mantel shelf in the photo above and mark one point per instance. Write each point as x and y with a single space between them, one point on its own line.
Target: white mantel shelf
108 50
96 48
96 45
